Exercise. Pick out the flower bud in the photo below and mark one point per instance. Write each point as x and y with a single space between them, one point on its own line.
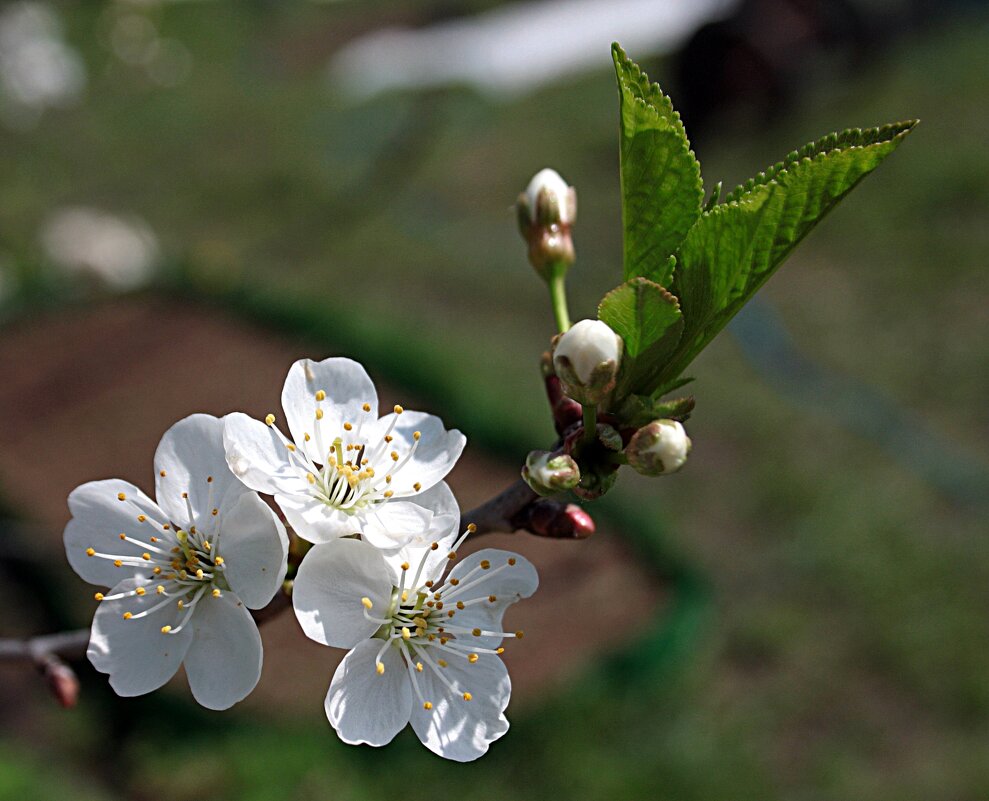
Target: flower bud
658 448
546 211
586 360
550 474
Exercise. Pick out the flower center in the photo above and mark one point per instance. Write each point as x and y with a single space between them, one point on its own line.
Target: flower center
181 566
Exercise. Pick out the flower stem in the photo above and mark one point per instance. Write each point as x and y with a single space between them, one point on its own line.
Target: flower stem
558 295
590 423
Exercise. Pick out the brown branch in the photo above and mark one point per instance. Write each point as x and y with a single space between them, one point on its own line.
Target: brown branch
514 509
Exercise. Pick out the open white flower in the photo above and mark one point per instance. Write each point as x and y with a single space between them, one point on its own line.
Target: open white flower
344 470
184 570
424 652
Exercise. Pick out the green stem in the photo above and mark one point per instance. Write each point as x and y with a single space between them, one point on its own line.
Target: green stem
590 423
558 295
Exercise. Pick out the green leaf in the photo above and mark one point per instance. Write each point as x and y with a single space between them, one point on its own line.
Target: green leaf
648 320
661 179
639 410
736 246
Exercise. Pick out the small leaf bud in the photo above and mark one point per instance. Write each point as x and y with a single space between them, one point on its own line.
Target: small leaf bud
546 211
586 360
550 474
658 448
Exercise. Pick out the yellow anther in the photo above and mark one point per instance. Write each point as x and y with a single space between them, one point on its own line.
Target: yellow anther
388 479
434 546
485 564
476 632
216 593
406 634
98 596
199 573
499 650
405 565
418 667
380 668
451 613
417 486
388 493
429 583
405 596
439 605
207 546
183 575
140 591
366 407
160 589
122 536
209 479
165 527
306 437
141 518
367 602
472 658
117 563
416 435
427 706
452 555
319 414
165 629
441 662
320 395
492 598
454 582
430 637
215 512
156 571
154 539
348 427
185 495
399 410
121 496
90 552
180 604
388 438
162 473
460 604
127 615
444 640
471 528
218 560
394 456
269 419
290 446
468 696
519 635
511 561
146 557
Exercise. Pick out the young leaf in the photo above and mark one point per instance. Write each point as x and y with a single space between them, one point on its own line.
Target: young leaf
640 410
660 178
648 320
733 249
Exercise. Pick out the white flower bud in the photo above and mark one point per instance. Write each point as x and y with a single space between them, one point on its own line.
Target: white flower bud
586 360
550 199
550 474
658 448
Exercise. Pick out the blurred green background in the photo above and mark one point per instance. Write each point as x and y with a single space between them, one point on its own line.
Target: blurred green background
826 544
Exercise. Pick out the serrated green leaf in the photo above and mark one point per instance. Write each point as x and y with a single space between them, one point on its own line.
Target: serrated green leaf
660 177
648 320
639 410
733 249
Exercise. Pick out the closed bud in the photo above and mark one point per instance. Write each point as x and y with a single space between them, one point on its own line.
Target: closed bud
658 448
586 360
546 211
550 474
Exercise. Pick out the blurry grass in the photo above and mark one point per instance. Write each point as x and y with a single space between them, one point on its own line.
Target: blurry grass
847 655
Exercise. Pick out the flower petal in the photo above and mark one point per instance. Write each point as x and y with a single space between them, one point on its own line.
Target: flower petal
347 386
223 663
314 521
327 592
444 528
458 729
99 517
138 657
436 453
190 459
254 547
365 706
507 583
427 517
258 457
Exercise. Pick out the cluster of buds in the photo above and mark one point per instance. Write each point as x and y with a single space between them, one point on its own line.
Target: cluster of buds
546 211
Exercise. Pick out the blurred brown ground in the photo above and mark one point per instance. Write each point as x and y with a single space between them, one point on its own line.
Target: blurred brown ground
86 394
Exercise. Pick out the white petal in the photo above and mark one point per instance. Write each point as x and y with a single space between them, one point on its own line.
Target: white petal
436 453
138 657
258 457
444 529
254 548
365 706
458 729
314 521
99 517
418 520
223 663
327 592
189 454
347 386
508 585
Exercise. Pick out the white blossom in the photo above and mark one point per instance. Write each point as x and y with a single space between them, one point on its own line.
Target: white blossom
423 650
184 570
343 470
586 359
658 448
